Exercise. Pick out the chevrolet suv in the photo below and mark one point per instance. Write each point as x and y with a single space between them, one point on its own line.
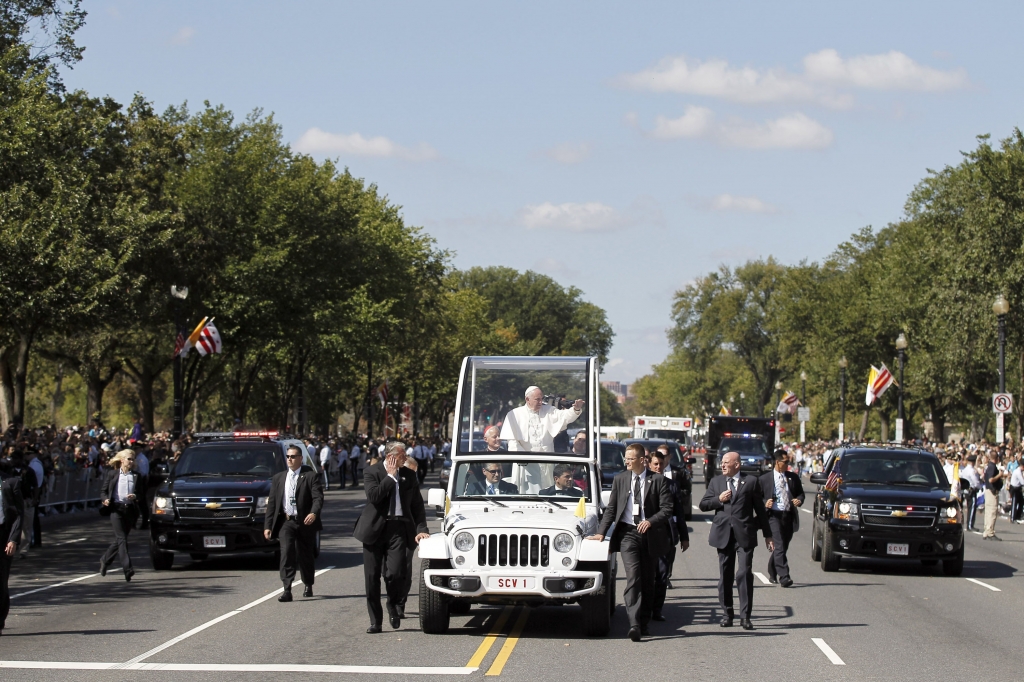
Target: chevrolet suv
214 500
889 504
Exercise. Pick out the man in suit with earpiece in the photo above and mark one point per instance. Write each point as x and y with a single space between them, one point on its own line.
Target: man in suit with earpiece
12 514
293 518
738 503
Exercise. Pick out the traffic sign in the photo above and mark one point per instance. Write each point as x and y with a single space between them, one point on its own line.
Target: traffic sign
1002 403
803 414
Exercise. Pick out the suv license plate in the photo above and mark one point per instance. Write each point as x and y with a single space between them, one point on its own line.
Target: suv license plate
214 541
900 549
519 583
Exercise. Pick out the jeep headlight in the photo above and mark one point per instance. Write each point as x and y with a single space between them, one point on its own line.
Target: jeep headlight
847 511
563 542
464 541
949 514
261 505
163 505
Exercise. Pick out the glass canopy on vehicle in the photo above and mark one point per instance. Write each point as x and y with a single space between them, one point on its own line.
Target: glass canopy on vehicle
526 404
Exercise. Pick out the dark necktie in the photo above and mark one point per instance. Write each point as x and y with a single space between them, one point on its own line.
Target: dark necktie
732 488
636 498
394 501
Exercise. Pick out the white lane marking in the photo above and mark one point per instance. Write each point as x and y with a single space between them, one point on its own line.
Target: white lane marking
50 587
236 667
827 650
696 507
976 532
805 510
359 506
763 578
68 542
196 630
978 582
707 521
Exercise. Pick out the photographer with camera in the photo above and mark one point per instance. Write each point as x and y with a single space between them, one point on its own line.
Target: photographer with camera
533 427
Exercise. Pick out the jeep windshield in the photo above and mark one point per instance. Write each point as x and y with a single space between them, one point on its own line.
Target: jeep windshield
525 405
892 468
261 461
522 479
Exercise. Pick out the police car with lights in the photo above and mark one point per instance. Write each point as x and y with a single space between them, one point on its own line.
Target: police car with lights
517 508
215 497
886 503
753 438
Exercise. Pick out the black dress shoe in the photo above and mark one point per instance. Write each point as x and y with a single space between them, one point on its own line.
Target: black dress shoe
726 622
393 618
103 568
634 634
746 624
373 630
657 616
774 579
285 596
788 582
308 592
400 610
128 575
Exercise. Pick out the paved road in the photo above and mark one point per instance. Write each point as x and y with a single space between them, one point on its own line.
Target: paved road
208 620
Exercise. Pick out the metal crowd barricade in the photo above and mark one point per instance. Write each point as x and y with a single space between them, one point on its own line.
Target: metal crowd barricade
72 487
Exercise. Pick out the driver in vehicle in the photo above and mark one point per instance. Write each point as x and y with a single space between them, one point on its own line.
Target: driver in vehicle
563 483
492 484
532 427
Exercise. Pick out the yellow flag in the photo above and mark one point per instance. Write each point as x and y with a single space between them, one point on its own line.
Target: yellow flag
581 509
447 505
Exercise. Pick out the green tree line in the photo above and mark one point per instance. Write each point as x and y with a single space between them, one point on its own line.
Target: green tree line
932 275
319 288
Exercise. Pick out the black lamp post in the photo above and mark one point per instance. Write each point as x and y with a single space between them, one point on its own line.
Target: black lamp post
842 397
901 350
178 294
1000 308
778 397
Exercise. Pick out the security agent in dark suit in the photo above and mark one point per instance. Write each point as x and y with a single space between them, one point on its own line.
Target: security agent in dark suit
738 503
293 518
492 483
122 503
12 512
783 493
680 534
392 522
641 533
563 484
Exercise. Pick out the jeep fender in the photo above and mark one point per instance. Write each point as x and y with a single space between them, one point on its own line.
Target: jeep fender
593 550
434 547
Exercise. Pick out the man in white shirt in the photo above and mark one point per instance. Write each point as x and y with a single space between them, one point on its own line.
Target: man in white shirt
325 463
1017 494
353 462
532 427
970 474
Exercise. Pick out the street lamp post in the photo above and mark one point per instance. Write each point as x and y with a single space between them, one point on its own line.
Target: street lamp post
743 403
178 294
803 401
778 399
901 350
842 397
1000 307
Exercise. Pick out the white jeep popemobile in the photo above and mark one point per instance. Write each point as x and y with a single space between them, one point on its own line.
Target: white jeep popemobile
524 493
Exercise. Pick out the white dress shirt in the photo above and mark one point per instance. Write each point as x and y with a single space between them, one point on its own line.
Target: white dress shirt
781 492
290 484
1017 477
634 507
125 486
325 455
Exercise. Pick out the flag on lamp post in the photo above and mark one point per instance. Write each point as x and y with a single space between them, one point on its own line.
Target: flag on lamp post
788 404
879 381
209 340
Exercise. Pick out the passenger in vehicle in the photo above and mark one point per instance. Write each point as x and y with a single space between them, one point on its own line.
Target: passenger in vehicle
563 482
491 439
532 427
579 443
492 485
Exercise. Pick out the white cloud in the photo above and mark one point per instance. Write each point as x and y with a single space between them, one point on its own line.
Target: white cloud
825 72
589 217
890 71
728 202
795 131
569 153
555 268
183 36
315 140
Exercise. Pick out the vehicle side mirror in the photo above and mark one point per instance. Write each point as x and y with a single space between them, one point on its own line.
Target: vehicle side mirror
691 460
435 497
819 477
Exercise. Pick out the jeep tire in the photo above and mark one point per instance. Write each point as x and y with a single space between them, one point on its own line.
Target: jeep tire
597 616
434 613
829 559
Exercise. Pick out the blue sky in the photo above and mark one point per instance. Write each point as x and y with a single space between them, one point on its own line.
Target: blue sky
622 148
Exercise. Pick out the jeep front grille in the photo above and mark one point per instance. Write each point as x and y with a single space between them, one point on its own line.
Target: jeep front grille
513 550
900 516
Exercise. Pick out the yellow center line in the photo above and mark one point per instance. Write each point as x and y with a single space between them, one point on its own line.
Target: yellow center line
510 644
485 646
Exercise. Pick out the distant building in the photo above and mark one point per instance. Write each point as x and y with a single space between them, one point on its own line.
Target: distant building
620 390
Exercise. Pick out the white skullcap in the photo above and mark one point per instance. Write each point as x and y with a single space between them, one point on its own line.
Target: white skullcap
531 389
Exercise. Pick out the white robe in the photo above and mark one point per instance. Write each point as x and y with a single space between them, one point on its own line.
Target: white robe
529 431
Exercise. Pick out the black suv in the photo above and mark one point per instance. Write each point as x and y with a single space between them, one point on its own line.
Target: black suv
886 503
214 500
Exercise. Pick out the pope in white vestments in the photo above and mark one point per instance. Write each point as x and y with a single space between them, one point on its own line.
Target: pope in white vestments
533 426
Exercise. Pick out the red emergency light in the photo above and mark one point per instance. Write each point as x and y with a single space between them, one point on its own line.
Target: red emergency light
250 434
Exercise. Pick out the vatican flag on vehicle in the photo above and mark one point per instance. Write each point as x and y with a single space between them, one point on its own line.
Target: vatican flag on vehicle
879 381
581 509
